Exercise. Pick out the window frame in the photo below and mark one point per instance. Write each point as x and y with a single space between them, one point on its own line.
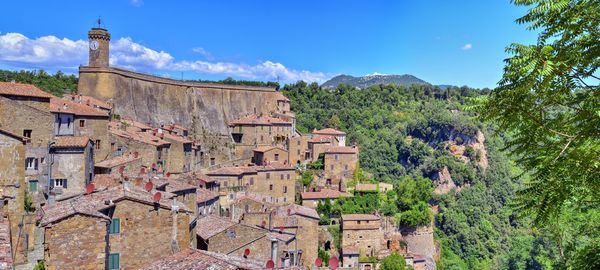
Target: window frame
115 222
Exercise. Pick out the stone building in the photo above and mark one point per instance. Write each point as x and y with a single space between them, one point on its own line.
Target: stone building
181 155
317 144
339 136
89 101
153 149
194 259
298 150
225 236
117 228
12 190
294 219
26 112
256 130
74 118
71 165
207 202
339 164
362 232
266 154
312 198
6 257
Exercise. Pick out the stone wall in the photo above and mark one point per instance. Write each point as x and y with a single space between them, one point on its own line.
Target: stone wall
76 243
205 108
96 128
74 165
340 168
147 234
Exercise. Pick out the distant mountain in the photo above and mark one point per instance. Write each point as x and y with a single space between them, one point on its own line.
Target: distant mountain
368 80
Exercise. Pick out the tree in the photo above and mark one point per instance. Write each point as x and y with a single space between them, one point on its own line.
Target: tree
548 101
393 262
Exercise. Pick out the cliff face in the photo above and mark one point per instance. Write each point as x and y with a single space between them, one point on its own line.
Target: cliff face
204 108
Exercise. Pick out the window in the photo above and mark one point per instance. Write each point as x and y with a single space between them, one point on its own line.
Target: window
225 184
358 222
271 187
114 261
115 226
251 180
97 144
112 146
284 189
268 175
298 143
82 123
27 133
276 157
33 185
346 167
212 161
288 176
336 156
281 176
42 161
331 167
60 183
31 163
298 151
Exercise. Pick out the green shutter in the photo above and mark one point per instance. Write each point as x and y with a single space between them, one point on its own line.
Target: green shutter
114 261
115 226
33 186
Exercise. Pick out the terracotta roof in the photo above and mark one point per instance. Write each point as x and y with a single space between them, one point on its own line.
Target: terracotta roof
205 195
280 96
193 259
321 139
329 131
135 134
232 170
16 136
136 124
254 119
352 217
324 194
341 150
174 127
91 204
22 89
172 185
275 166
295 209
58 105
117 161
6 261
257 197
209 226
90 101
177 138
102 181
70 142
267 148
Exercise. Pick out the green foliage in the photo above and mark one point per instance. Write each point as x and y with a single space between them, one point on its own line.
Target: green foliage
232 81
317 164
324 255
307 177
39 265
393 262
418 214
324 210
336 233
28 203
57 84
412 190
366 203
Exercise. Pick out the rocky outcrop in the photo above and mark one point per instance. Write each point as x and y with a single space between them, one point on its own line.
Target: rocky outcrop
442 181
420 241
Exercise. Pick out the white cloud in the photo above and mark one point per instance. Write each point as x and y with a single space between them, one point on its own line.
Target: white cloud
136 3
203 52
467 46
50 52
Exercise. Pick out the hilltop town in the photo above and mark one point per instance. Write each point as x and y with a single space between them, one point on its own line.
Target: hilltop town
141 172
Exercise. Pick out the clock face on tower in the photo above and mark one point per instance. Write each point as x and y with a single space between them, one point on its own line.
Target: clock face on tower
94 45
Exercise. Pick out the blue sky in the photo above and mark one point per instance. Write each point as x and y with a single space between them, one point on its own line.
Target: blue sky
440 41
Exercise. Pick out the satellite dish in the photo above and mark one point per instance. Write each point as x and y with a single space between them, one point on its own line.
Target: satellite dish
318 262
246 252
157 197
281 229
270 264
142 170
121 169
168 174
153 165
89 188
264 223
135 154
149 186
333 263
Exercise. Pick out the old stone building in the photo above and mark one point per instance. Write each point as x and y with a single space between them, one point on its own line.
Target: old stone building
340 136
118 228
207 202
125 137
265 154
12 191
379 187
6 257
225 236
25 111
298 150
362 232
294 219
71 165
75 118
340 164
181 155
255 130
89 101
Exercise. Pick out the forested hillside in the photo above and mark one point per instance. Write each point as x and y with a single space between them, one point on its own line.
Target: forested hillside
406 136
57 84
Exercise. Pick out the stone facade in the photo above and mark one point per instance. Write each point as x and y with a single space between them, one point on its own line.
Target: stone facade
77 242
72 169
363 232
266 154
340 164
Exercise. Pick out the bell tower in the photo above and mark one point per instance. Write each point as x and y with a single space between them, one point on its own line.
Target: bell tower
99 40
